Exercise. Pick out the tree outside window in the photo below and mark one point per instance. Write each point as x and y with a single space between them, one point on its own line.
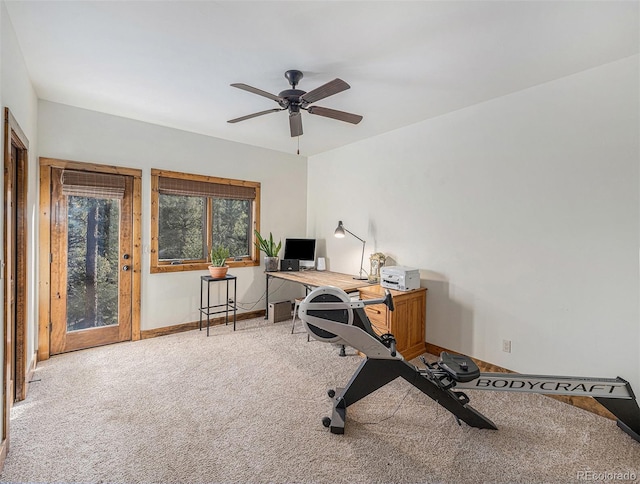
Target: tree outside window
192 213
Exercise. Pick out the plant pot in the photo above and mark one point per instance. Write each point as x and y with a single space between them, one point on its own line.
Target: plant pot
271 264
218 272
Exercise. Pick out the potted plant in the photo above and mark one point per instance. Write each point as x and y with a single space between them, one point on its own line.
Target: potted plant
270 249
218 267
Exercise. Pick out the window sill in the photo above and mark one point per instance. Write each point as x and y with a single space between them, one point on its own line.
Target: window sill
198 266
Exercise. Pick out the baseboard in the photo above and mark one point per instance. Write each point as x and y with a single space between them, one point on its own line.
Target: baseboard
179 328
585 403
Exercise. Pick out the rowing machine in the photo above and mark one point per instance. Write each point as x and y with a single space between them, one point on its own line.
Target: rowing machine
331 317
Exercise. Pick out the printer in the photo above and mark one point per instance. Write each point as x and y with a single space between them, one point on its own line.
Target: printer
399 278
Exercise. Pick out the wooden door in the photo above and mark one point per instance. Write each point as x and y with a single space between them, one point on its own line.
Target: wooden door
91 259
16 265
14 272
10 270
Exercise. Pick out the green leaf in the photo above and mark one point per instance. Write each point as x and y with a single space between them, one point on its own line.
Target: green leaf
219 256
269 247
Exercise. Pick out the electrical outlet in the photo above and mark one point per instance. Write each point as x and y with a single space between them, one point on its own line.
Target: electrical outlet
506 345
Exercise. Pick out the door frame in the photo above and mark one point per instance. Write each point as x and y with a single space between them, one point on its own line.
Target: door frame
14 136
15 348
44 283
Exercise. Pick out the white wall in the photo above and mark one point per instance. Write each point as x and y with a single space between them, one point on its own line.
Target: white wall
18 95
522 214
167 299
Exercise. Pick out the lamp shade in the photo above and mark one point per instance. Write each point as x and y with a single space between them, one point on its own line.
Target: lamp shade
339 232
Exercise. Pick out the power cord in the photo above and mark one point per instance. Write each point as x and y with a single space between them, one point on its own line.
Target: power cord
393 413
248 306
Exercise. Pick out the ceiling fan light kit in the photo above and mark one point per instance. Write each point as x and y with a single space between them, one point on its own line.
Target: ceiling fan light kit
295 100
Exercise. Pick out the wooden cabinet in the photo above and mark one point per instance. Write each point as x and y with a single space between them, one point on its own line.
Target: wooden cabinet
406 322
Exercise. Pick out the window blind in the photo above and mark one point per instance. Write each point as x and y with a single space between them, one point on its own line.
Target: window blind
91 184
178 186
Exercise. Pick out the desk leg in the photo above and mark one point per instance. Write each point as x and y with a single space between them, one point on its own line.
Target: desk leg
266 309
235 302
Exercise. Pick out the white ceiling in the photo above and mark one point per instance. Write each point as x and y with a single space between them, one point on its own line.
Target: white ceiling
171 62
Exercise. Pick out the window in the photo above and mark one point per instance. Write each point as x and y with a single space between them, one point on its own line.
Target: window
192 213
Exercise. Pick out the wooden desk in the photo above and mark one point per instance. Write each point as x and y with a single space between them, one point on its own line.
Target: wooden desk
313 279
406 323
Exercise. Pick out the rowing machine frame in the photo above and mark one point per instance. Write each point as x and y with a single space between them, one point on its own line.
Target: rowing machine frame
330 316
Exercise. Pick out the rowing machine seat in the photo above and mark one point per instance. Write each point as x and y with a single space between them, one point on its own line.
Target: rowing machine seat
459 367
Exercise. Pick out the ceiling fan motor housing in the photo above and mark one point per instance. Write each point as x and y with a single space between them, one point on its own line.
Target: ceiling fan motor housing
293 76
291 98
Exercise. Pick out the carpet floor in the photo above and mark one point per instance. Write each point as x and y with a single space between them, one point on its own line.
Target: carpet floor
246 406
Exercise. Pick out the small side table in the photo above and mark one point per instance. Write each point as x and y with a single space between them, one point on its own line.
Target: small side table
209 309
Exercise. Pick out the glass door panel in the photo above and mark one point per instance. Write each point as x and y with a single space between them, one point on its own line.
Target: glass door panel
91 279
92 262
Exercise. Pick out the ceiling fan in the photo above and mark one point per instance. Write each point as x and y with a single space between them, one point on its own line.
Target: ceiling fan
294 100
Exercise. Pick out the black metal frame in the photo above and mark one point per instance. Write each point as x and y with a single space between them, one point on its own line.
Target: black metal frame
373 374
207 310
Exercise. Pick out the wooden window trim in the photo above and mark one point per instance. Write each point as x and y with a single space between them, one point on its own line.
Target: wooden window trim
156 266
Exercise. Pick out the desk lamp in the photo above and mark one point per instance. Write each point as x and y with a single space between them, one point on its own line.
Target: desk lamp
339 233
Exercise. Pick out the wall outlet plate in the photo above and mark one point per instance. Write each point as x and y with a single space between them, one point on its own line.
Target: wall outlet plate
506 345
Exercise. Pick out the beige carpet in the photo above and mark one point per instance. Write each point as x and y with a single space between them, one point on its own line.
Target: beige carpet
247 407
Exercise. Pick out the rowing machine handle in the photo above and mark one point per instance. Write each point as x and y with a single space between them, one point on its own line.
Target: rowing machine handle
388 300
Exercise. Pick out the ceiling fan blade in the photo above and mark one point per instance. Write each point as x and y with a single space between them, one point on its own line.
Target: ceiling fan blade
295 123
326 90
249 116
335 114
255 90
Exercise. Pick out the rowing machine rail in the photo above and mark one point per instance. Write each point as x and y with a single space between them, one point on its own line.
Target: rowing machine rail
331 317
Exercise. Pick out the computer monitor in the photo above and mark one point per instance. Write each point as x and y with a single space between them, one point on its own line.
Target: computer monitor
302 249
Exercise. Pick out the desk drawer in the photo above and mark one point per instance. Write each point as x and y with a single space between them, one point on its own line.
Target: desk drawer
378 316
